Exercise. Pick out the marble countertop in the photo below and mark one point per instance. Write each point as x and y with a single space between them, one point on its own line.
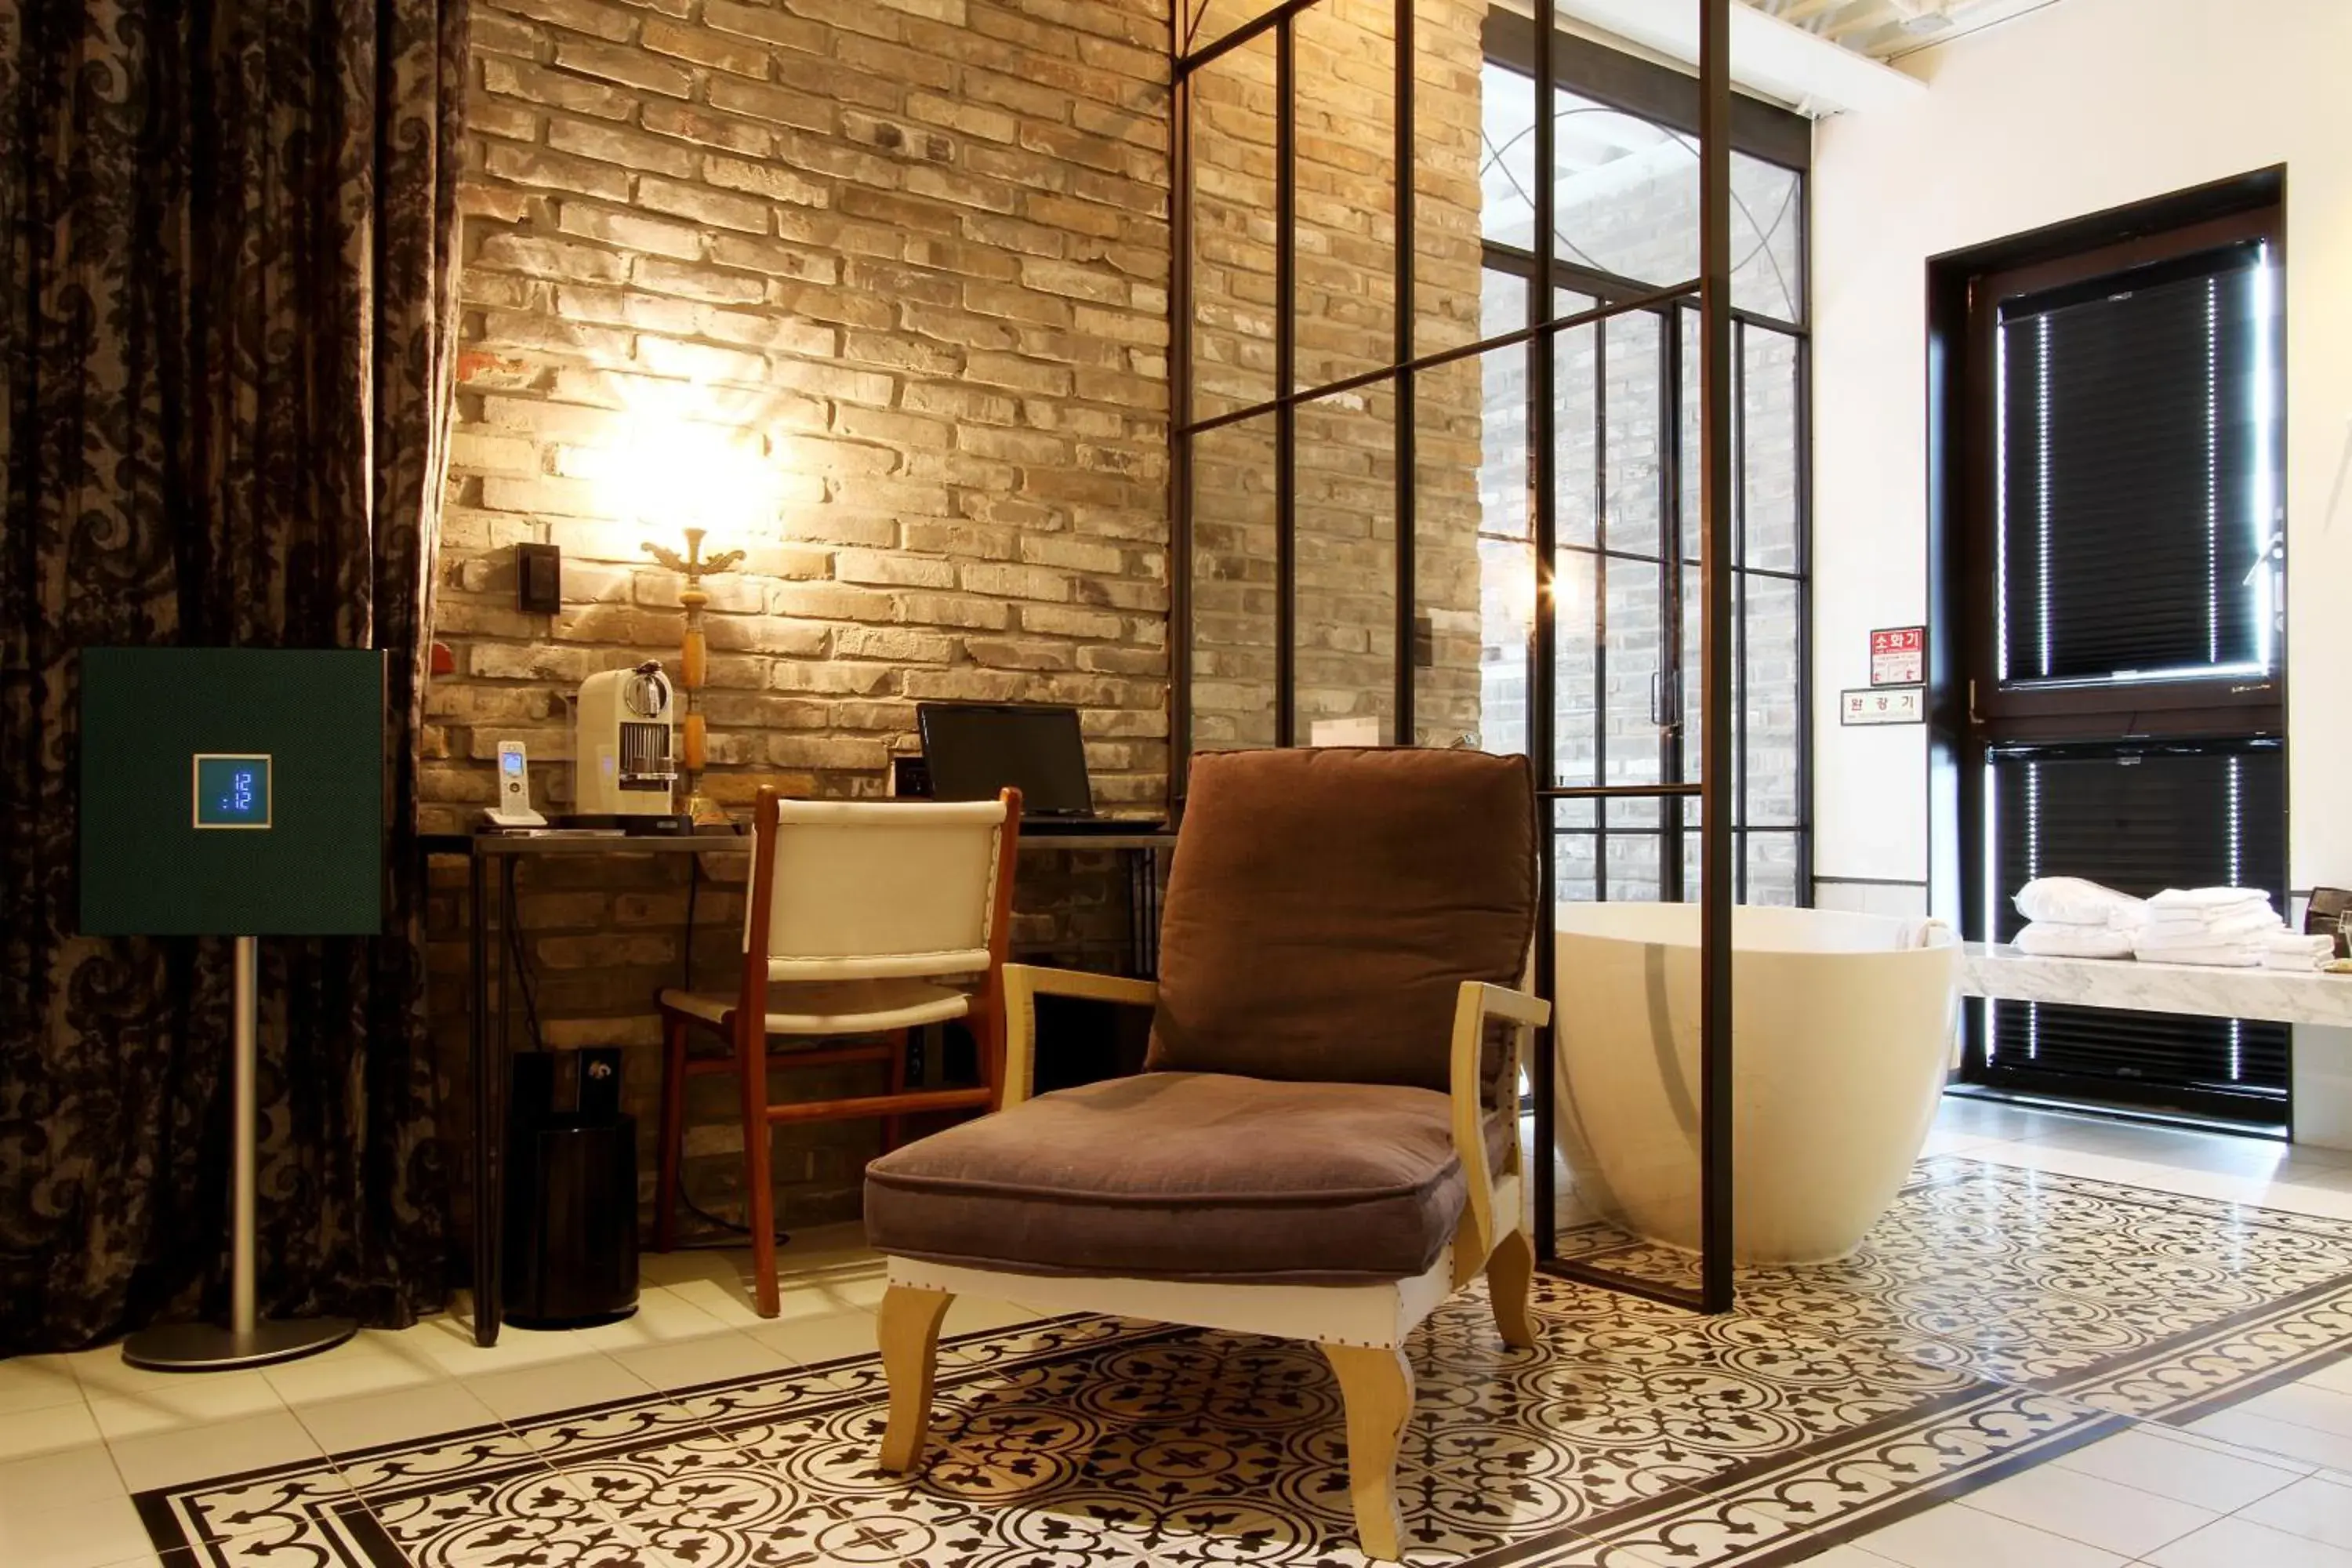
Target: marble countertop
2276 994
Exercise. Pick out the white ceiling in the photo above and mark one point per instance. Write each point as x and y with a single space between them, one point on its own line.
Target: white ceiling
1889 29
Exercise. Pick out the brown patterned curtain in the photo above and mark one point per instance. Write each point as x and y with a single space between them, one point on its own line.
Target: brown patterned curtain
226 322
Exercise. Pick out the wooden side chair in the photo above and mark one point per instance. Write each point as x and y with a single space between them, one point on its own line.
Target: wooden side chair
856 911
1325 1141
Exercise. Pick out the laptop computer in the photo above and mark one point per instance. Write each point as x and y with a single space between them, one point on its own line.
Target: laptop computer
975 749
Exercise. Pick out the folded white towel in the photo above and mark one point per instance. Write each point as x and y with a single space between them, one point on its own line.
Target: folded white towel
2240 926
2204 901
2231 955
2071 900
2055 939
2293 962
2318 948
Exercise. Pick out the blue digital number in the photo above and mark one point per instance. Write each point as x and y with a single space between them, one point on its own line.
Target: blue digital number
232 791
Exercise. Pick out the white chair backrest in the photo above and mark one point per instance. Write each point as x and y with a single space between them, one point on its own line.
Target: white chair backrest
881 889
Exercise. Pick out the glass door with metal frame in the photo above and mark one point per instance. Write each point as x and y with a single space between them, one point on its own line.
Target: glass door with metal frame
1438 482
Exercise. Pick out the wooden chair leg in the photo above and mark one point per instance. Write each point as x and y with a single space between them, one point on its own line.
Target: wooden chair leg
758 1189
673 1132
1377 1385
1510 1280
894 1128
909 1336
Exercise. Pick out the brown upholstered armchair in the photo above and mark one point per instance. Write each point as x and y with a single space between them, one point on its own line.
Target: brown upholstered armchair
1324 1143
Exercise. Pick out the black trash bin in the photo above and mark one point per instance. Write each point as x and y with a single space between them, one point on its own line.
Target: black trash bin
571 1194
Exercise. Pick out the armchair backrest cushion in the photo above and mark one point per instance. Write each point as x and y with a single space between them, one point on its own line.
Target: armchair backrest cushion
1325 905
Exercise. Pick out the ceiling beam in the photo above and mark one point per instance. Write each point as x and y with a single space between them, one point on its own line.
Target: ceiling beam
1768 54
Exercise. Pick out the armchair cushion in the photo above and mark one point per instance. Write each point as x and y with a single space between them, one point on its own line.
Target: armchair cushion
1324 906
1180 1175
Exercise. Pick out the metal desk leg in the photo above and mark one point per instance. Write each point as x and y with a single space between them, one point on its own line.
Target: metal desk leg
1143 909
477 1043
489 1312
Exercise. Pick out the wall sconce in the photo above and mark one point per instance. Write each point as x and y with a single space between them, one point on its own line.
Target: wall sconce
694 661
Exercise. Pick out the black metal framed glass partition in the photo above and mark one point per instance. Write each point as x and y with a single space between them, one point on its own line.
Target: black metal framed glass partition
1489 430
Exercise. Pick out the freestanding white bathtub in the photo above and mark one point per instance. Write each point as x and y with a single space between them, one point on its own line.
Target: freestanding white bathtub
1842 1035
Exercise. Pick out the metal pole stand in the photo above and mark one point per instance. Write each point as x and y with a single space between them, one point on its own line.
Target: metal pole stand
248 1340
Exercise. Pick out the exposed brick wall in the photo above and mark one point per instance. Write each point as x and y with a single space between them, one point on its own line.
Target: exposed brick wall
876 289
894 273
1347 245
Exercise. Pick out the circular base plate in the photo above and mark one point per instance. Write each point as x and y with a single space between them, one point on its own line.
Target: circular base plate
206 1347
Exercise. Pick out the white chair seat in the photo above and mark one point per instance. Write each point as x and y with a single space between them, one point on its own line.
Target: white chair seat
834 1006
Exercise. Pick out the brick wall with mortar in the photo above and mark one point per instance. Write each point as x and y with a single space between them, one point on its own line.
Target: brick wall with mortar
1345 299
876 290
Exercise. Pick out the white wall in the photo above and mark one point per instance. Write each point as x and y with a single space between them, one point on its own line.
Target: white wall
2084 105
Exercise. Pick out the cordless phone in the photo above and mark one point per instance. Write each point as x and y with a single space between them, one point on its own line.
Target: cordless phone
513 809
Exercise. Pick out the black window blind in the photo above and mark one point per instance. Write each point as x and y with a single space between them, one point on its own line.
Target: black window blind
2138 820
2132 470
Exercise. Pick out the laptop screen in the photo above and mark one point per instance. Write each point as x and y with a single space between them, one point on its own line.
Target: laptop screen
976 749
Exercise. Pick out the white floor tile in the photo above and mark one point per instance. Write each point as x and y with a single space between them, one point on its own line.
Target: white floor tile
2203 1474
52 1480
1940 1141
661 1316
1846 1557
2306 1405
2246 1428
1956 1536
1957 1113
529 1390
684 1363
92 1535
182 1401
809 1339
47 1429
2336 1377
729 1303
343 1424
2091 1510
371 1363
36 1382
448 1344
2321 1511
2239 1543
222 1448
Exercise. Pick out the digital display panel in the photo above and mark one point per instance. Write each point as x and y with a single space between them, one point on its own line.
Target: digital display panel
232 791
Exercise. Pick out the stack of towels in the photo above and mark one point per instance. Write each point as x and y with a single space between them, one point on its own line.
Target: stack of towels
2233 928
2070 918
2228 928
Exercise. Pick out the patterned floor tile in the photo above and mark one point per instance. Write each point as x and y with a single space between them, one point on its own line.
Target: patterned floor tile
1996 1318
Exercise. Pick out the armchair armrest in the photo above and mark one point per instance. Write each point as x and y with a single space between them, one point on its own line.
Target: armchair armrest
1023 983
1476 1005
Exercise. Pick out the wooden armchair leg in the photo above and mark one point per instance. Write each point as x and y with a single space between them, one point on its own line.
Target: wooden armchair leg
1377 1385
909 1336
1510 1280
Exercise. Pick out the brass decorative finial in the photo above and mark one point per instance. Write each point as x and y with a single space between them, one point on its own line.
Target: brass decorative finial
694 658
691 564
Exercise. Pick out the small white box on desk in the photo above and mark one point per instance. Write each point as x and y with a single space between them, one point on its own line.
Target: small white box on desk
1359 732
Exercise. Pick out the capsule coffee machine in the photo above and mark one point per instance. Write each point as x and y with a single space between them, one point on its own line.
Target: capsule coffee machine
623 751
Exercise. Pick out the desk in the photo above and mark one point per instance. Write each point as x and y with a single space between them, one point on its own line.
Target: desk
486 1039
